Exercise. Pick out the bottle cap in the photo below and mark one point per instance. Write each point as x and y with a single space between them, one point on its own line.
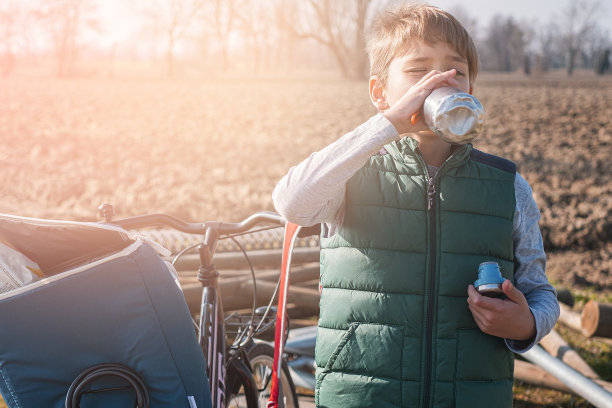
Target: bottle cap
489 280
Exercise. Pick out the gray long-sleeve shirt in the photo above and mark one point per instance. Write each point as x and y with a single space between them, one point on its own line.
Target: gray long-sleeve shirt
313 192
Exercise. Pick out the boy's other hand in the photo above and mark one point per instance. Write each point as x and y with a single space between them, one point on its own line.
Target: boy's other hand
508 318
400 113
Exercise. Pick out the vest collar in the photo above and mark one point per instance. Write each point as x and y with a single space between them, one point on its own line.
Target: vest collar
406 150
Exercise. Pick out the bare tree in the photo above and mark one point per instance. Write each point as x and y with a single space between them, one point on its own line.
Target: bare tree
471 24
65 21
529 37
257 25
577 22
170 19
17 30
338 25
7 38
26 20
597 41
603 62
221 17
546 38
504 45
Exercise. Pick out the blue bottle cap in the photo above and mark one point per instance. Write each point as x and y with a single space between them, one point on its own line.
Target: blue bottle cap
489 274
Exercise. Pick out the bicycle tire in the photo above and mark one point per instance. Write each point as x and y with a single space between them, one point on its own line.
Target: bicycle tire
261 356
236 397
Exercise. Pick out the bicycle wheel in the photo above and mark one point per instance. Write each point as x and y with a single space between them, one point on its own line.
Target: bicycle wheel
261 358
238 392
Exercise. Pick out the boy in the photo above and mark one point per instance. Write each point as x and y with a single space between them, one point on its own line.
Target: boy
407 218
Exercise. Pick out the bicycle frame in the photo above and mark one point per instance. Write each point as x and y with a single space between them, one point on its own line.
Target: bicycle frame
211 333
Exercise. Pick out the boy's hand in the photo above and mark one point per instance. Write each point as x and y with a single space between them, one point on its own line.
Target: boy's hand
508 318
412 101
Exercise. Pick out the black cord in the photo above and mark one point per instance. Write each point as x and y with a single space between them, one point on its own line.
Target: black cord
246 256
176 258
252 332
76 390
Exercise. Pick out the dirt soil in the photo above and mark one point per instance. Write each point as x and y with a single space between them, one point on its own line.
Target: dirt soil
214 149
559 133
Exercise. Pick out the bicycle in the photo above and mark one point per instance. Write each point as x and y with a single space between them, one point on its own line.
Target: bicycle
239 371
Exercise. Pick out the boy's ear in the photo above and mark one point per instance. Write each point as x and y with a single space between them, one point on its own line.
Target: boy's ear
377 94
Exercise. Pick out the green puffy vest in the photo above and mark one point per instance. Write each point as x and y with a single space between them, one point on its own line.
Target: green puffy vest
395 329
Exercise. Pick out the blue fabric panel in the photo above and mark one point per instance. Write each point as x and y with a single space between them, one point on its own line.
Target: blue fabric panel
128 311
491 160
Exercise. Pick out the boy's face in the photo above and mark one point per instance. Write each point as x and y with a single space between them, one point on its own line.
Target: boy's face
421 58
406 70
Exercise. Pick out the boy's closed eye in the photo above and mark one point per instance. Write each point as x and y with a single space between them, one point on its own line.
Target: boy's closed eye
422 71
416 71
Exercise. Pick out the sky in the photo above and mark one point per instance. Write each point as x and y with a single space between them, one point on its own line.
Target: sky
480 9
483 10
120 25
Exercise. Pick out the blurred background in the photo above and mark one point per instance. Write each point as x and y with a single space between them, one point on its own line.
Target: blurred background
281 37
197 108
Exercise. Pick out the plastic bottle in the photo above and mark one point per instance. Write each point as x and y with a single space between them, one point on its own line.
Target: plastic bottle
455 116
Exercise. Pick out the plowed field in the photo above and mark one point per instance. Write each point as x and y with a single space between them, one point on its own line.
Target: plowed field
214 149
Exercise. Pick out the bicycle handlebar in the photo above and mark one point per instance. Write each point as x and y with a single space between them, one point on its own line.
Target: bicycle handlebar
152 220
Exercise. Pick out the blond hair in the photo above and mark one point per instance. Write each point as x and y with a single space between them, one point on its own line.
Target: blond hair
393 30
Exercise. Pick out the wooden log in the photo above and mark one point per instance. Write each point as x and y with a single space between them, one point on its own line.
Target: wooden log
238 293
532 374
304 298
566 297
260 259
300 322
570 318
596 319
192 289
604 384
299 275
603 340
557 347
266 273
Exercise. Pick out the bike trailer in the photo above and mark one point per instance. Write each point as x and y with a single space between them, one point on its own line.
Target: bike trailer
106 326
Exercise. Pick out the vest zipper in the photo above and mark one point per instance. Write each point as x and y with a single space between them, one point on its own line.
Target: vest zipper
431 209
431 193
431 278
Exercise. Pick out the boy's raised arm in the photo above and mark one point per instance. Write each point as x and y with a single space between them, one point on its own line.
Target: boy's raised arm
313 191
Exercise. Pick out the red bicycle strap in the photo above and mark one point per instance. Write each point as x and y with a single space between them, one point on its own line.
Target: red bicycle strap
291 233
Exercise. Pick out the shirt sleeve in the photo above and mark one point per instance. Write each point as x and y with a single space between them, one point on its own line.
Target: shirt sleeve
530 267
313 191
